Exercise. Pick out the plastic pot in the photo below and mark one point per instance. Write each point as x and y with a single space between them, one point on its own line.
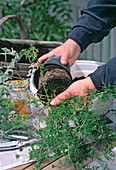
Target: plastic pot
53 61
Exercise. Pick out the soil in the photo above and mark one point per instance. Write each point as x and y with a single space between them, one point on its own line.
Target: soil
21 108
56 80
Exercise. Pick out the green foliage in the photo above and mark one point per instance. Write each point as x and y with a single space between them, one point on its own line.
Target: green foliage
43 19
60 136
29 54
17 156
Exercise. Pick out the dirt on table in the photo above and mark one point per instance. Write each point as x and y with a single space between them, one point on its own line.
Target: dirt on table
21 108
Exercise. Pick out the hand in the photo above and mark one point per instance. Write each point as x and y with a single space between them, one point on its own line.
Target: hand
69 52
77 88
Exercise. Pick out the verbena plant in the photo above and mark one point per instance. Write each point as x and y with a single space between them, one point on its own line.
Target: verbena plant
43 19
60 136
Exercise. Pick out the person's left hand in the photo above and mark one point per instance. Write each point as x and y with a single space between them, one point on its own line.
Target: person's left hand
77 88
68 51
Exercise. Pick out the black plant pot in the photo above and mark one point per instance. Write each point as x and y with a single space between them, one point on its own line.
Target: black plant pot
56 77
55 60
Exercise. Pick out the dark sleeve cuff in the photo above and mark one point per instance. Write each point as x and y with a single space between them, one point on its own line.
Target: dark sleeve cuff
81 36
105 74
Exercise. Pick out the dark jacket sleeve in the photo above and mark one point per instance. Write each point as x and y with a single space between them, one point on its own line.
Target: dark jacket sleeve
95 22
105 74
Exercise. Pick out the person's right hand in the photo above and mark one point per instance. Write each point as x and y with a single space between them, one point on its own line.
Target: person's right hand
78 88
69 52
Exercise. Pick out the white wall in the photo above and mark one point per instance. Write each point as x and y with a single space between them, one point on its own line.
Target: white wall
0 16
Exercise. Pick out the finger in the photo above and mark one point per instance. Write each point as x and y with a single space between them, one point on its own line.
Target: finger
45 57
59 98
64 59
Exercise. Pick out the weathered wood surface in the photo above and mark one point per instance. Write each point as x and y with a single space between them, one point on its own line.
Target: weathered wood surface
17 44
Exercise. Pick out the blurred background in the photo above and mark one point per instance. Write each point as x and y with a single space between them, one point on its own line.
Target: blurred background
52 20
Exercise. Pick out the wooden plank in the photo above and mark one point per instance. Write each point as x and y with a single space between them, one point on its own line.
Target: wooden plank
44 164
18 45
25 166
57 166
51 44
48 164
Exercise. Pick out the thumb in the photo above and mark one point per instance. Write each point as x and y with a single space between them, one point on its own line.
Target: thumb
45 57
64 59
